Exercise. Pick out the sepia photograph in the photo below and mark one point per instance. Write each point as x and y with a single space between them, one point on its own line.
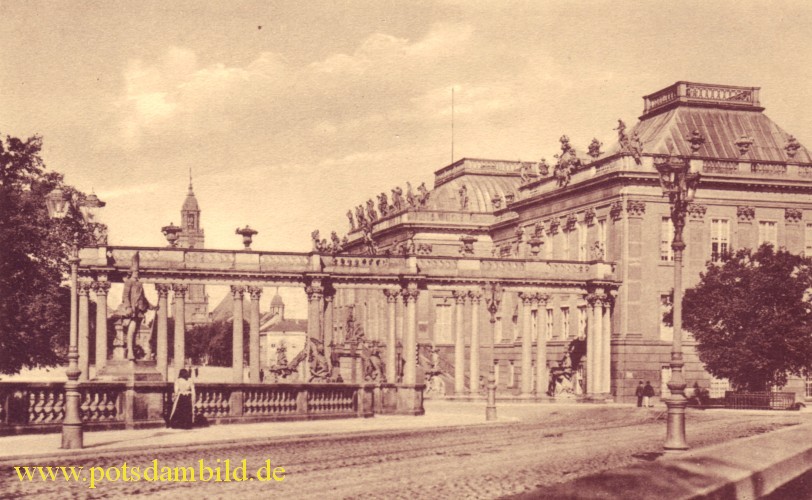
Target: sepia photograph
385 249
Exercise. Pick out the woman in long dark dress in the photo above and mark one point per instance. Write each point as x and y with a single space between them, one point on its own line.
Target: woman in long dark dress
182 416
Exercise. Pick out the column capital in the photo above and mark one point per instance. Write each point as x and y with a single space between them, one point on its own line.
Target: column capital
101 287
392 294
237 291
180 289
596 299
255 292
314 292
459 295
527 297
163 289
540 299
410 295
475 296
84 287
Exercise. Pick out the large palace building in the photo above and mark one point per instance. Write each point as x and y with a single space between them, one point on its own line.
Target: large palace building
586 205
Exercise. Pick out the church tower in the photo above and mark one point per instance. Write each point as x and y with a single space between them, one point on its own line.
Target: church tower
197 302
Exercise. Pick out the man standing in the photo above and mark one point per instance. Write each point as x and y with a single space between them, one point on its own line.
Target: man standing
639 394
648 393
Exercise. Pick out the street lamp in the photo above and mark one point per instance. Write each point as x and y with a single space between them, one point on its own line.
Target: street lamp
493 298
58 205
679 184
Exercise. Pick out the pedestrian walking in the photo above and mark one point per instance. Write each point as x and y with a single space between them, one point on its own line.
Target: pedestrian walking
182 415
639 394
648 393
261 375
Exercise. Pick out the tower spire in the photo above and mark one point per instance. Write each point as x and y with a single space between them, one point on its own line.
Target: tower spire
190 179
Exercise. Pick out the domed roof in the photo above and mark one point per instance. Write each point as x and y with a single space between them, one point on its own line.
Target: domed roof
277 301
190 203
481 186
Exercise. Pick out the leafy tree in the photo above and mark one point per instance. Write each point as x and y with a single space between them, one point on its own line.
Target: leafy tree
34 293
211 343
752 318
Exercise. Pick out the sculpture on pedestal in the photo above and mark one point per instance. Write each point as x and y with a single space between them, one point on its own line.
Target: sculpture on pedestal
133 307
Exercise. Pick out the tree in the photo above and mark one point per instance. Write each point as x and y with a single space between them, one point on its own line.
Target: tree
34 293
752 318
211 343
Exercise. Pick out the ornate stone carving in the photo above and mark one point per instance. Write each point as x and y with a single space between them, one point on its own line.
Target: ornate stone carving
616 210
497 202
352 220
792 146
696 139
255 292
372 215
410 294
745 214
424 249
163 289
422 195
475 296
552 227
360 217
544 168
392 294
526 172
567 163
793 215
101 287
237 291
383 204
696 211
313 291
597 252
180 289
594 149
633 146
84 287
538 229
636 208
596 299
467 246
509 198
570 222
397 200
459 296
463 197
589 216
411 200
743 143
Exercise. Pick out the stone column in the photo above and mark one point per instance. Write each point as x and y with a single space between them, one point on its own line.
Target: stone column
253 335
180 326
314 292
459 342
598 344
101 288
84 329
542 373
606 368
591 348
400 315
527 344
410 340
161 343
392 298
475 296
237 363
328 329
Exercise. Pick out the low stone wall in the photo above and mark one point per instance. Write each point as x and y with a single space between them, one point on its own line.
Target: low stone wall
40 407
744 468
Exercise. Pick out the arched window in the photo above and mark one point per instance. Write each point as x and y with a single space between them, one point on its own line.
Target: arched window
190 221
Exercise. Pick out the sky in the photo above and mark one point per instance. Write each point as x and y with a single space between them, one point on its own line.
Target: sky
289 113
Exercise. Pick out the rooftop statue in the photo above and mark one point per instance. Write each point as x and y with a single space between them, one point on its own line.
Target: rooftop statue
463 197
397 199
595 148
633 146
410 199
423 195
359 214
336 243
383 204
568 163
544 168
372 215
352 220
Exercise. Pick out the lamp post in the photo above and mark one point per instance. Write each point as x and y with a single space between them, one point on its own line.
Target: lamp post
58 204
679 184
493 298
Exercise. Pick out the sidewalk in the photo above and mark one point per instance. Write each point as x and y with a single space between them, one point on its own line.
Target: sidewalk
40 446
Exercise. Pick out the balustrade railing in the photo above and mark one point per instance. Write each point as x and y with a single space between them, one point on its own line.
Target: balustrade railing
39 404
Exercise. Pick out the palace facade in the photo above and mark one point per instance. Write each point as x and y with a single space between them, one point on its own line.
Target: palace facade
600 204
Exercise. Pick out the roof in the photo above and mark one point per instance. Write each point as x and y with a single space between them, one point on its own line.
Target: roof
483 180
190 203
277 301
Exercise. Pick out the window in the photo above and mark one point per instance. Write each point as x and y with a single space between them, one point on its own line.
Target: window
496 372
602 238
548 246
767 233
515 322
808 386
582 241
565 248
582 321
511 375
666 331
442 324
190 221
666 237
808 240
718 386
549 324
565 322
720 239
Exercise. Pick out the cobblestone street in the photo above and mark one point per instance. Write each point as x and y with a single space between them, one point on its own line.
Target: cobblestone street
547 444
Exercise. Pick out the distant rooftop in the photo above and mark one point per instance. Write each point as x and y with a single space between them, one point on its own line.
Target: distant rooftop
701 94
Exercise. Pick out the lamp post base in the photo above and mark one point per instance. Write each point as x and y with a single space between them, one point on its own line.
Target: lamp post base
675 431
72 432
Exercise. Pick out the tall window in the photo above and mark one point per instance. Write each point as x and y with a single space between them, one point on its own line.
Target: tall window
582 241
666 331
666 237
190 221
548 246
549 324
511 375
496 372
808 240
534 323
767 233
582 315
720 239
565 322
565 237
602 238
442 325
